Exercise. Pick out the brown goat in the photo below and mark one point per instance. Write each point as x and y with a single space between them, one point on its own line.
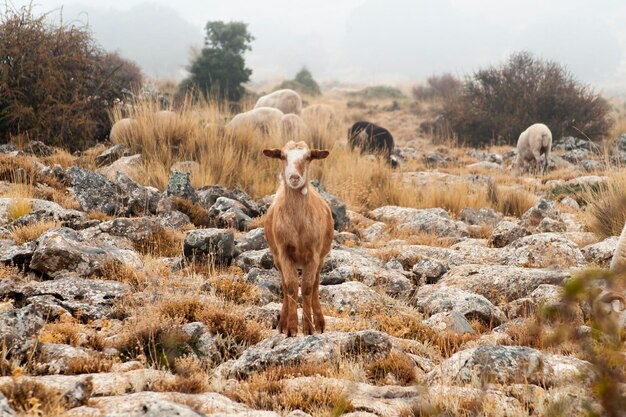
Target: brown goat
299 231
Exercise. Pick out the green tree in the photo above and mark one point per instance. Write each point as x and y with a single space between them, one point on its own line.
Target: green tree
303 83
220 68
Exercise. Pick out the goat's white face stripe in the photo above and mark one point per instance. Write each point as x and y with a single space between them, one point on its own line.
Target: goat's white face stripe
293 156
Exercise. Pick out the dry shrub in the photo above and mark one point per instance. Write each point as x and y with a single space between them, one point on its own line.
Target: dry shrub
398 365
494 104
234 288
7 271
236 332
127 274
267 390
66 332
164 242
95 363
445 86
98 215
19 207
198 215
510 201
30 232
17 169
606 206
159 339
32 398
191 377
66 103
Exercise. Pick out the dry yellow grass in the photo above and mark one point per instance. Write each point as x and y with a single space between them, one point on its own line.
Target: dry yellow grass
510 201
605 213
7 271
29 232
19 207
267 390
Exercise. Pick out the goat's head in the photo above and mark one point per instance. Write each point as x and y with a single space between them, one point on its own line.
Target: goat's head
295 158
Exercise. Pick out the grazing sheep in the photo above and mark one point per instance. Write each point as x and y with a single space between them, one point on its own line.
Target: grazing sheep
299 232
532 143
123 130
292 127
266 119
321 115
370 138
287 101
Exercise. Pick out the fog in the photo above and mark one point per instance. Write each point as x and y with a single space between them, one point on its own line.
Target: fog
365 41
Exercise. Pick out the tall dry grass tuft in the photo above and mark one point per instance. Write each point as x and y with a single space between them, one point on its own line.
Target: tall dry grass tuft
234 157
510 201
606 206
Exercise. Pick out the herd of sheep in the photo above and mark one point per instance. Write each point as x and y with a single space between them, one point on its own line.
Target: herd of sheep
282 111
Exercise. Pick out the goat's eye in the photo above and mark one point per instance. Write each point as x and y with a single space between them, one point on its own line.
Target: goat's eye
308 157
283 157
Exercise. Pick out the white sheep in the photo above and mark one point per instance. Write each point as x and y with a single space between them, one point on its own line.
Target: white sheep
287 101
293 127
123 130
320 115
266 119
531 144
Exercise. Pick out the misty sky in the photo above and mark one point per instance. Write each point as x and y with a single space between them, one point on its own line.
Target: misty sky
366 41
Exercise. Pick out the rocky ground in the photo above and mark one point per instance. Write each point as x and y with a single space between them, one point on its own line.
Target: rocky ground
128 301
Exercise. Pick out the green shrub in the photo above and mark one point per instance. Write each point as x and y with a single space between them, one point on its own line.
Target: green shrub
55 82
303 83
498 103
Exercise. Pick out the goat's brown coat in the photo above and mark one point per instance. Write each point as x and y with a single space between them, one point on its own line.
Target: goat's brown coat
299 231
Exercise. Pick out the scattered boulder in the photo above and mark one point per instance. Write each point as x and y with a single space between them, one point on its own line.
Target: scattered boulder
508 365
484 216
38 148
40 210
543 250
253 240
505 233
93 191
137 199
601 253
500 282
125 165
433 299
269 283
436 221
337 207
352 297
227 213
62 250
18 325
427 271
179 185
213 245
89 299
111 155
255 259
207 196
317 348
542 209
449 321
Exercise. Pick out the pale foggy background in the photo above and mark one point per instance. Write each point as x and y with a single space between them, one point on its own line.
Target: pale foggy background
365 41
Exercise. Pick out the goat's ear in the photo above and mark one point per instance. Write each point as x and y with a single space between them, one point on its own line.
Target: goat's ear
318 154
273 153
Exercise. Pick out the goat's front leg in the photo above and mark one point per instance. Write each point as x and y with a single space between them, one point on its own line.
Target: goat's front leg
288 323
309 283
318 316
